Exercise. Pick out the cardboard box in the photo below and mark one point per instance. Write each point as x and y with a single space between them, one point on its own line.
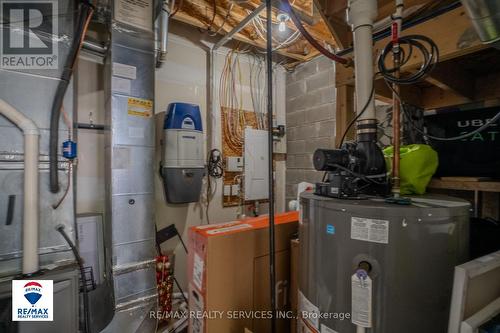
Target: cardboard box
228 272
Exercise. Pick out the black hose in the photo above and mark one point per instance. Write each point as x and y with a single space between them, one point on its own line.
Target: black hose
85 10
60 229
428 50
367 104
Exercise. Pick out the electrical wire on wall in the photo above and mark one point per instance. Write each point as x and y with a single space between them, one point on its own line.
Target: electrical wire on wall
215 168
256 67
231 99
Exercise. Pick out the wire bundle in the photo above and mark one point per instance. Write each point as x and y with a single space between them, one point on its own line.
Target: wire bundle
259 100
214 164
231 100
408 45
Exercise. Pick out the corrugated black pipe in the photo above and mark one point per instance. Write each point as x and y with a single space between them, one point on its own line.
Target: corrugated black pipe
272 258
84 10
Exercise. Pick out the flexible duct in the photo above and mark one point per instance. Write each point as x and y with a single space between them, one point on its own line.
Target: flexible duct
31 209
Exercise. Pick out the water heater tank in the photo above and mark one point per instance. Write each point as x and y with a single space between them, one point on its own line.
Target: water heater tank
408 251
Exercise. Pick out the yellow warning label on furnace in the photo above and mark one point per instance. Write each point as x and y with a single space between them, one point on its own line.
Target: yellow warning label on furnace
140 107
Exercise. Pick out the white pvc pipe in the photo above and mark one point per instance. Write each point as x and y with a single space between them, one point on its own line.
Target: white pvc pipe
31 209
163 32
360 329
361 14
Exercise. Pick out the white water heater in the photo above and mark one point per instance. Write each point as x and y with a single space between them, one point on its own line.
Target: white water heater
183 156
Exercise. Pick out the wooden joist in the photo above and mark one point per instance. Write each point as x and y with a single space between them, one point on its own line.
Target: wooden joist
452 32
199 13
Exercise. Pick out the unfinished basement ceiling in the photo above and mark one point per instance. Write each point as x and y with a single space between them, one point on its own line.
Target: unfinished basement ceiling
200 13
324 19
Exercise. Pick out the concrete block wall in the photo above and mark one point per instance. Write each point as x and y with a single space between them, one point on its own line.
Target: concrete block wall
310 119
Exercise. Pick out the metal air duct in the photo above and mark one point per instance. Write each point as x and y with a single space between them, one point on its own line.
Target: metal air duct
129 72
485 16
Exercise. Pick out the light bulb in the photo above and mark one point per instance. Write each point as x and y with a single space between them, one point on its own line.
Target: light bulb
282 26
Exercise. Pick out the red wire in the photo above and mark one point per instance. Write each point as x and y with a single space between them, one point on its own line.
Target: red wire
310 38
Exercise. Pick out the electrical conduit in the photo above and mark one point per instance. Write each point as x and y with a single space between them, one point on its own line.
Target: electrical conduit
31 209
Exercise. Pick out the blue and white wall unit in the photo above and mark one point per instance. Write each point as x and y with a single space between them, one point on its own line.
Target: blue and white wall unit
183 157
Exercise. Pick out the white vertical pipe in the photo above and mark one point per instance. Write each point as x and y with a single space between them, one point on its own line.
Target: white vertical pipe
164 18
31 209
30 225
361 14
360 329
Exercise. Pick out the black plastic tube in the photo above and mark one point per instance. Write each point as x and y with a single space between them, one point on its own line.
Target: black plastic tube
85 9
272 258
79 261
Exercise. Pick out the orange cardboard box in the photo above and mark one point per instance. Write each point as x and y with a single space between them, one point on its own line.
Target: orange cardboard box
228 272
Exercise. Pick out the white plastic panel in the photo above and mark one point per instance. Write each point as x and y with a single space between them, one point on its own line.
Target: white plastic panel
256 165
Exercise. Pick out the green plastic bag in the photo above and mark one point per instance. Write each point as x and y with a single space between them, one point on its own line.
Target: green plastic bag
418 163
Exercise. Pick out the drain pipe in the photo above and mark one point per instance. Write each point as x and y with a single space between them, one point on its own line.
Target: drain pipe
361 15
31 152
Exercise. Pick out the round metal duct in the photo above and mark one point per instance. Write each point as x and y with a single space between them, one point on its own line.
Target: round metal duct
485 16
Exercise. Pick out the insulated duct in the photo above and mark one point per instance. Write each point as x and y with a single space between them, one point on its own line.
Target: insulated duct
129 147
485 16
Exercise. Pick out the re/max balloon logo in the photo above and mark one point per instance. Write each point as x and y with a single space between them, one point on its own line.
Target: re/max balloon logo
32 300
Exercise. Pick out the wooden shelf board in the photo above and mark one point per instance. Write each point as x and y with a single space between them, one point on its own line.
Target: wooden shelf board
485 186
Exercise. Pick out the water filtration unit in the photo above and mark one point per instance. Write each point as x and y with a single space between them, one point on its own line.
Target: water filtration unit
390 267
183 162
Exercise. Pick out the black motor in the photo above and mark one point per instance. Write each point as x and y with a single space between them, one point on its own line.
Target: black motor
357 169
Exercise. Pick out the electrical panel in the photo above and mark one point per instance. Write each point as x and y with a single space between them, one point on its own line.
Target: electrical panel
256 177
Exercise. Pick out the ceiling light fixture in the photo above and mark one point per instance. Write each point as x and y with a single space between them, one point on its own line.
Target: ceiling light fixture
282 18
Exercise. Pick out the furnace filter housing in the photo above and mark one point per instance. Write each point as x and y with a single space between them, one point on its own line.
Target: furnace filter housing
412 251
183 164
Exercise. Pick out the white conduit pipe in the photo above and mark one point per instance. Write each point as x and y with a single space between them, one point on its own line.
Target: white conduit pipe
163 31
31 209
361 14
360 329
